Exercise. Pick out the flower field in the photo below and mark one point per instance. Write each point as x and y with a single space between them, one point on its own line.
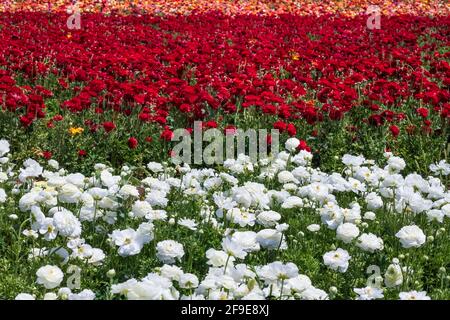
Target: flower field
94 205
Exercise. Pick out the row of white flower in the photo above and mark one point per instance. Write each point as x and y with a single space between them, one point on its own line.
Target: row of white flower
62 205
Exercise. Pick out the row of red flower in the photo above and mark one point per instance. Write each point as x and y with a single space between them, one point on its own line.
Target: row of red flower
201 67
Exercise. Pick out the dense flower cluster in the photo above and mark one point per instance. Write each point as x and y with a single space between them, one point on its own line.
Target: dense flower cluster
131 80
280 229
234 7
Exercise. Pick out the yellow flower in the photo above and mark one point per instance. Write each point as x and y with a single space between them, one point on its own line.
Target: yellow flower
294 55
74 131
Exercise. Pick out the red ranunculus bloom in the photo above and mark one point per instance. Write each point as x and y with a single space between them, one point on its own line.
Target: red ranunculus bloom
423 112
109 126
394 130
47 155
82 153
132 143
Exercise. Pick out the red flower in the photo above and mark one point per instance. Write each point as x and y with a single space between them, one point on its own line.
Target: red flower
423 112
148 139
394 130
58 117
211 124
82 153
303 146
132 143
291 130
185 108
47 155
109 126
280 125
25 121
167 134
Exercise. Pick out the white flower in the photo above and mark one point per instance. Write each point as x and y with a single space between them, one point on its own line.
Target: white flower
277 270
69 193
129 191
50 296
188 281
54 164
347 232
48 229
217 258
393 276
332 216
442 168
446 209
396 164
66 223
337 260
188 223
168 251
368 293
271 239
86 294
292 202
2 196
352 161
97 257
241 217
268 218
292 144
49 276
433 215
233 249
300 283
129 241
313 293
144 291
286 177
32 170
141 209
108 179
369 215
171 272
155 167
370 242
24 296
414 295
157 198
246 239
4 147
411 236
313 227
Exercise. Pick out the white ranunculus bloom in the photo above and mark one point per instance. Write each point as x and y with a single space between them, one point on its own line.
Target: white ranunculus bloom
370 242
414 295
4 147
2 196
347 232
292 144
155 167
66 223
49 276
411 236
168 251
24 296
337 260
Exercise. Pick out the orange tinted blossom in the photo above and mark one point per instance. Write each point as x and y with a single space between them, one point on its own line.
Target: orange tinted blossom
236 7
